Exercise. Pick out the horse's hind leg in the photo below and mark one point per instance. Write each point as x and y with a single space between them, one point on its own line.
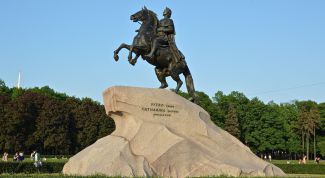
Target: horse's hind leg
178 80
123 45
174 71
161 75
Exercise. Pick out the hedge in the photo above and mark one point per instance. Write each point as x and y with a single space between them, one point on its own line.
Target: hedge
302 168
29 167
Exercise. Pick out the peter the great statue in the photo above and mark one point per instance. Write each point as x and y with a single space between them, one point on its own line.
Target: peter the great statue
160 134
155 43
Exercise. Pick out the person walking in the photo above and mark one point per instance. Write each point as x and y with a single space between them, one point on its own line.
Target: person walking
15 158
304 159
5 157
21 156
32 155
37 159
317 159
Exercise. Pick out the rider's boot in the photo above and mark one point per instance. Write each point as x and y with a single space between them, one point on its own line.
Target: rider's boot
178 57
153 50
181 58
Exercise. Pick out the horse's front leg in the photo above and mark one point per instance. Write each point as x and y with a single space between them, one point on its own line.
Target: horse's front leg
123 45
133 61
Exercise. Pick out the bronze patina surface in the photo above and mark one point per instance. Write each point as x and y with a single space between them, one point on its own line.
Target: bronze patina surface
155 43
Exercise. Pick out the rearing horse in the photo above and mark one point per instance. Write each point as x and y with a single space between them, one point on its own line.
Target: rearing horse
163 60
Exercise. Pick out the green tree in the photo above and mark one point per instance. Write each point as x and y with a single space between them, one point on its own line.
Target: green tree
71 104
49 92
251 129
16 92
289 113
231 122
2 83
321 130
87 122
308 120
273 130
3 87
240 102
4 99
18 123
264 129
52 128
52 122
315 119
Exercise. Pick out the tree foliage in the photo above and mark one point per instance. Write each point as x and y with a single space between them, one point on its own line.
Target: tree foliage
231 122
54 123
268 128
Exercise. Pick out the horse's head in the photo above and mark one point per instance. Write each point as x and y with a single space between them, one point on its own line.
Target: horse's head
147 30
142 15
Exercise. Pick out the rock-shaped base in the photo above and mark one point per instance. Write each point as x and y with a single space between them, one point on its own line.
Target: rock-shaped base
159 133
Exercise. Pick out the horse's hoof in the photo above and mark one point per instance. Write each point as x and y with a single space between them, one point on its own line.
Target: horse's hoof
193 100
163 86
116 57
132 63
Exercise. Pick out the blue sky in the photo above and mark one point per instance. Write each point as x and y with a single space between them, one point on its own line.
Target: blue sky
274 50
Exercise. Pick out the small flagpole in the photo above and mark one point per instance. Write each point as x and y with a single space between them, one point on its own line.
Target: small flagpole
18 82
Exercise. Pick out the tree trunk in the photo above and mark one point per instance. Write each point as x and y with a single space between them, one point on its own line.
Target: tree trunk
307 146
303 142
314 143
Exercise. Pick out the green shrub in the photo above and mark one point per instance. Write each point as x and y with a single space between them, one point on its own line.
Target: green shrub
28 167
302 168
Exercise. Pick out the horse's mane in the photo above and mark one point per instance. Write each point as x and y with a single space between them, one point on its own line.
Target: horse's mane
154 16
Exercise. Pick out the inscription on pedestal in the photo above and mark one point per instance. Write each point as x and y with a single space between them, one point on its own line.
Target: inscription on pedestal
161 110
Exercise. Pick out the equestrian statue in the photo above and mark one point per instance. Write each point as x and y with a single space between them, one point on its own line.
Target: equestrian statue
155 43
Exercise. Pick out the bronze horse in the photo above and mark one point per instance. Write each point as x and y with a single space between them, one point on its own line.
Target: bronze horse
163 60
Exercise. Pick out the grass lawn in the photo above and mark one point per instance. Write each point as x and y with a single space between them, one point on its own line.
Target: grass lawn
46 175
99 176
306 175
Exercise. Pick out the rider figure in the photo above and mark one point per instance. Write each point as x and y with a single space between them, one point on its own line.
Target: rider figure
165 35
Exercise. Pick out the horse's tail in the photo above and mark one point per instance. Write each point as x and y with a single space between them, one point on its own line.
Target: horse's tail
190 84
